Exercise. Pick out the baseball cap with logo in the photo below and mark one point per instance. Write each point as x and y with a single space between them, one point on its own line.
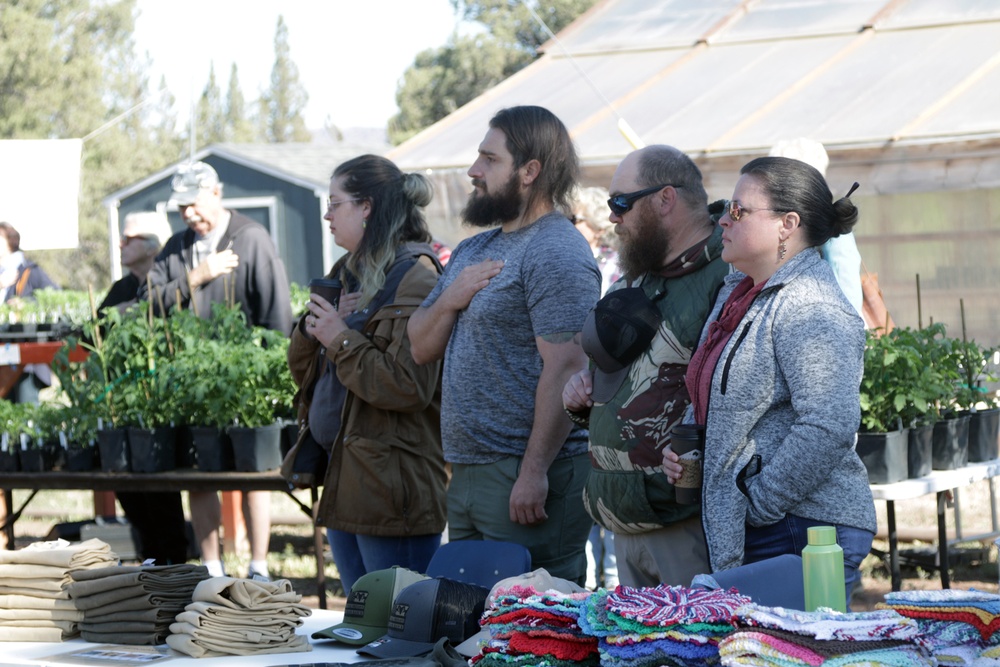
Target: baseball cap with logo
426 612
190 180
366 615
619 328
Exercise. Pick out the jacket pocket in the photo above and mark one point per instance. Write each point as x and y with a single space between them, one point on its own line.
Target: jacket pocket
729 358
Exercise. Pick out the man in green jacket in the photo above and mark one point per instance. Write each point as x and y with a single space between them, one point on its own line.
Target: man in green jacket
641 337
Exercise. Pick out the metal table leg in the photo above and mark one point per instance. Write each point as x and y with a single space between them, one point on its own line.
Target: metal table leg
890 511
943 539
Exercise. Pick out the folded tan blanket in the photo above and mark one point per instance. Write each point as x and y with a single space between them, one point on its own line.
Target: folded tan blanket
245 593
65 626
7 587
60 553
209 648
15 614
35 602
36 635
32 571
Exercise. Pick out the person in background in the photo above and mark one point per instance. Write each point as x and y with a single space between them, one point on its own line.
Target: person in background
840 252
506 317
641 337
19 279
143 235
775 379
157 516
590 216
222 253
362 397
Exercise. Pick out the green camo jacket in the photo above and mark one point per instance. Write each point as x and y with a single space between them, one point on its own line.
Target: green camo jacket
627 491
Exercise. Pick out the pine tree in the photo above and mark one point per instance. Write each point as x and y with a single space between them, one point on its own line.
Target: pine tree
286 99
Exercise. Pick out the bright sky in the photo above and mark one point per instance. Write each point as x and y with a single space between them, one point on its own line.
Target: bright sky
350 54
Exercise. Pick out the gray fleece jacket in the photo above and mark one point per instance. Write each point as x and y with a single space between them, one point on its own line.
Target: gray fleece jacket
784 410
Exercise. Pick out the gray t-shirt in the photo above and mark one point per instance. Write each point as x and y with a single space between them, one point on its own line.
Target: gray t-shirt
491 366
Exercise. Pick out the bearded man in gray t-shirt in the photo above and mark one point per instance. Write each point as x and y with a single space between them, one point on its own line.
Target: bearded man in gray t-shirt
506 317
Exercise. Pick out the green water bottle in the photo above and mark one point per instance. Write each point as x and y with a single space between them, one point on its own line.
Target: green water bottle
823 570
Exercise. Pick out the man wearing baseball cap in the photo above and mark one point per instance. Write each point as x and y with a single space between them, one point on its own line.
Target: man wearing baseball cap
639 338
157 516
222 255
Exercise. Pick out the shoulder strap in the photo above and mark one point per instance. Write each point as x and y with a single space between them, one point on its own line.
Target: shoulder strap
22 281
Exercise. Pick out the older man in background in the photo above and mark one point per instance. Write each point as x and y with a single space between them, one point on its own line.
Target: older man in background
222 255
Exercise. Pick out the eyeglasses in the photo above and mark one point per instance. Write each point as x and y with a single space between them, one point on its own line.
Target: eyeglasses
332 205
622 204
737 210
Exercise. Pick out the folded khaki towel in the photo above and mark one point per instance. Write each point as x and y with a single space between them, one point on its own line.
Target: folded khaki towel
133 638
35 635
61 553
149 582
235 619
264 635
227 614
16 614
32 571
156 570
8 587
35 602
144 615
65 626
245 593
202 648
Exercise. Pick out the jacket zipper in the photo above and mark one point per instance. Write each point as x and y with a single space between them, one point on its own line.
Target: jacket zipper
729 359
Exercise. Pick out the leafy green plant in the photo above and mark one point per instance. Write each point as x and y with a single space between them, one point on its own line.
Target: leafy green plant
973 361
909 377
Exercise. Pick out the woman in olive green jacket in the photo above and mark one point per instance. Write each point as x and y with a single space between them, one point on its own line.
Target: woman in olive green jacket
362 397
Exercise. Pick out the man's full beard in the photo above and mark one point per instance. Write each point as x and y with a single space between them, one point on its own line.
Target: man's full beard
643 249
487 210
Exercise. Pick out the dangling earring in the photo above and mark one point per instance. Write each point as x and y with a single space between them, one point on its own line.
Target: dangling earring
364 223
782 251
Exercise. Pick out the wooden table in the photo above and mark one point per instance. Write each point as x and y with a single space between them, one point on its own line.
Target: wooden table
15 356
938 482
174 480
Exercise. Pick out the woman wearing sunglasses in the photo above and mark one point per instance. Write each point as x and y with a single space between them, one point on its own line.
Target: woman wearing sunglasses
775 379
363 398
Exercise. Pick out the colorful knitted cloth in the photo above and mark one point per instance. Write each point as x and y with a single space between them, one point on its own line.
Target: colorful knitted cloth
528 627
829 624
979 609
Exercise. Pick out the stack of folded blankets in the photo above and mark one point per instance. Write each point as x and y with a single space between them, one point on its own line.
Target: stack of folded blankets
135 604
665 625
34 603
960 627
529 628
781 637
240 617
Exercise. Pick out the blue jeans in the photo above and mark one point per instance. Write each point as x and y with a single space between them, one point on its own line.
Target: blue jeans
357 555
789 536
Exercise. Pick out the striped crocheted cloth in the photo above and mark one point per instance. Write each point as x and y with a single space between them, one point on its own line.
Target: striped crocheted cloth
781 638
529 627
662 625
979 609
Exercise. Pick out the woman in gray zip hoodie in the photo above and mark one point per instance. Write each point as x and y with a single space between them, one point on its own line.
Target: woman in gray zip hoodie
775 379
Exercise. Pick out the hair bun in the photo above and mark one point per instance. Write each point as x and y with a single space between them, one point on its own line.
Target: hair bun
418 189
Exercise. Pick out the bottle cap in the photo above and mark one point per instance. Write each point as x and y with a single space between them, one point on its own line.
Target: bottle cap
819 536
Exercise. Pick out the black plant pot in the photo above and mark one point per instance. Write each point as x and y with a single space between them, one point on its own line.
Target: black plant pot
9 461
256 449
213 451
81 458
153 450
884 455
56 455
951 443
112 445
36 459
984 431
920 450
185 448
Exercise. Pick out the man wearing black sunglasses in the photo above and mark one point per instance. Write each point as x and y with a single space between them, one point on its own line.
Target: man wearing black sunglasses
640 338
506 316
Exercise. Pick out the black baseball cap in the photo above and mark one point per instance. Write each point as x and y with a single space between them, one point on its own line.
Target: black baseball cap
425 612
619 328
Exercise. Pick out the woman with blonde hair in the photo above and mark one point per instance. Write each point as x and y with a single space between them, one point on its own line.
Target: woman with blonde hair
362 398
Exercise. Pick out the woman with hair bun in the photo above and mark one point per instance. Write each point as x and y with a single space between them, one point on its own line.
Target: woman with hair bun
775 380
362 398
